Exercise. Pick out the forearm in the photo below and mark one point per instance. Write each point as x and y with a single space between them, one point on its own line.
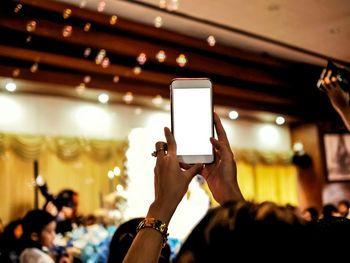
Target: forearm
345 115
148 242
145 248
231 192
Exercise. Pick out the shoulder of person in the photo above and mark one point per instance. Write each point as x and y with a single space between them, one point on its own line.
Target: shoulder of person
34 255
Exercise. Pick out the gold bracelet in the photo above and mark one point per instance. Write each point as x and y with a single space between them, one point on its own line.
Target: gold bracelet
155 224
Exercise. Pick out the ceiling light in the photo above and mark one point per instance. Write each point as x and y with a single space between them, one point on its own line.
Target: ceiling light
137 70
162 4
157 100
105 62
233 115
181 60
116 171
142 58
280 120
16 72
67 31
128 97
211 41
110 174
101 6
173 5
34 67
87 52
298 147
87 27
100 56
31 26
113 20
158 22
87 79
18 8
161 56
81 88
103 98
66 13
82 4
11 86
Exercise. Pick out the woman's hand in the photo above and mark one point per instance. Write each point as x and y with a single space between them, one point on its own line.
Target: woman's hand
170 185
338 97
170 180
221 176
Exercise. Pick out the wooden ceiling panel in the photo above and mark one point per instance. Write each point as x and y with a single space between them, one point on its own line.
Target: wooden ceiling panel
247 80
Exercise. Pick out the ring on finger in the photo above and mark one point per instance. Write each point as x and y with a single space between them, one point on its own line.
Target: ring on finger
164 148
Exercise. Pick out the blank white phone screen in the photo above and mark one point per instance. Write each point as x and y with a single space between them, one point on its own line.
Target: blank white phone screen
192 120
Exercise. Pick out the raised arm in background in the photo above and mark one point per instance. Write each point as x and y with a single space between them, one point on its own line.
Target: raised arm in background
339 98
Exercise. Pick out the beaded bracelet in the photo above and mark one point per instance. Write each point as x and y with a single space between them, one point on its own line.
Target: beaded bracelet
158 225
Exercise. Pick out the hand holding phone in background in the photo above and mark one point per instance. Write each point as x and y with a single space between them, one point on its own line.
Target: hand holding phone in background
341 75
334 81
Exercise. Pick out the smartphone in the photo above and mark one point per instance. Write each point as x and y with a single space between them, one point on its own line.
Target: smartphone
333 70
192 119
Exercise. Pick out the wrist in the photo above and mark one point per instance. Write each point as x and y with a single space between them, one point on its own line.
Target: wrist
230 193
155 224
161 212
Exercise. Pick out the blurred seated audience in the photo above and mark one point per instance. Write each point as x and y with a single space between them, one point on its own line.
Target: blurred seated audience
310 214
10 242
38 236
64 206
343 207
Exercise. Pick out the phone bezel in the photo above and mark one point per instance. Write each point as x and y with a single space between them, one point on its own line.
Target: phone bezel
193 83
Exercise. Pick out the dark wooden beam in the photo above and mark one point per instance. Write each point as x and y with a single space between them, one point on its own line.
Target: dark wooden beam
126 46
83 67
157 33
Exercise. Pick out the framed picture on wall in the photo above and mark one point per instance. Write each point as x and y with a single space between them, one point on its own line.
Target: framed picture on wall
337 151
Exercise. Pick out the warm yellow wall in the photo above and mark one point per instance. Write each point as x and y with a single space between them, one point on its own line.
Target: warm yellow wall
17 192
86 176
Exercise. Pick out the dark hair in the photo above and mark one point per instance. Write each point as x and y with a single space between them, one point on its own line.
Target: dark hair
313 213
247 232
65 198
122 239
328 210
34 222
10 245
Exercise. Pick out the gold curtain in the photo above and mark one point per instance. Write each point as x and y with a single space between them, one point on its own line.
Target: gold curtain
266 176
77 163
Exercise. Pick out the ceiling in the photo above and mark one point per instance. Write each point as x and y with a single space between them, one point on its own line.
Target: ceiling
267 57
305 30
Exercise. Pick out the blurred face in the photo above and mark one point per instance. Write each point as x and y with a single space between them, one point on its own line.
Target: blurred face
76 204
1 227
343 209
307 215
48 234
18 231
67 212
